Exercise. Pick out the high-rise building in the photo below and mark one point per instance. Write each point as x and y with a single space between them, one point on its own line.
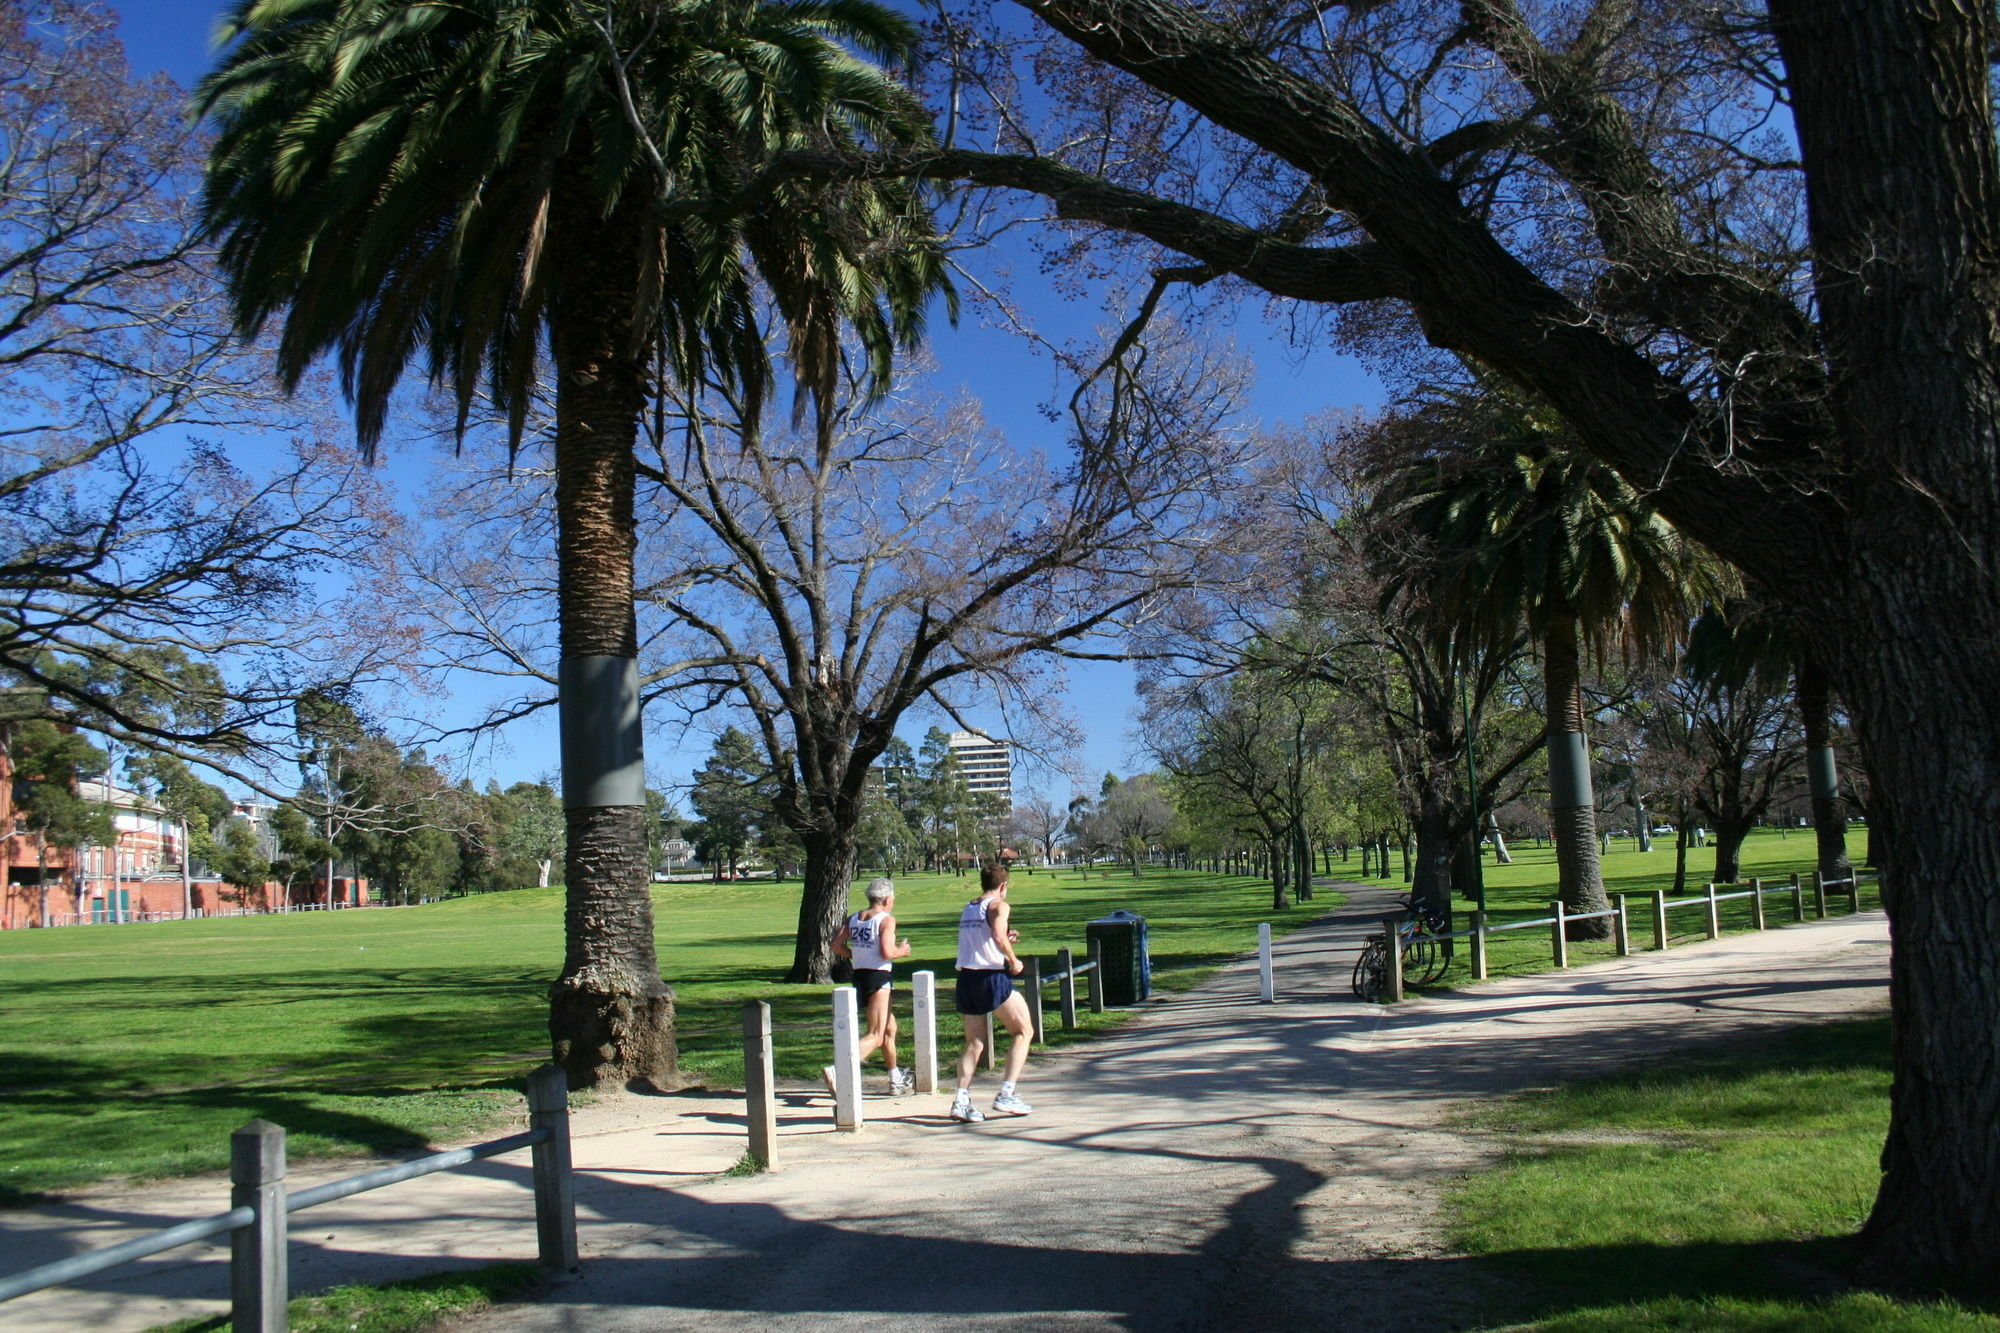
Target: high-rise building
987 764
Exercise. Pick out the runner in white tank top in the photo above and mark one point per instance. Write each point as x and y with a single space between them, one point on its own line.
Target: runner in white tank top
986 964
869 938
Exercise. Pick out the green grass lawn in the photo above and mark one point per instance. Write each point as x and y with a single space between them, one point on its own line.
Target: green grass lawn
133 1051
1522 892
1709 1194
415 1305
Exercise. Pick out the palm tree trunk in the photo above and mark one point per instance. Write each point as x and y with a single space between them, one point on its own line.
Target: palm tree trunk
611 1015
1572 803
1815 698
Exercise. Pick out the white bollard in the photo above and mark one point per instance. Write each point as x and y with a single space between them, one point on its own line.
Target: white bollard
1266 989
923 1017
846 1061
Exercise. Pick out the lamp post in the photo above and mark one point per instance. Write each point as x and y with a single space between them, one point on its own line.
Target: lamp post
1472 794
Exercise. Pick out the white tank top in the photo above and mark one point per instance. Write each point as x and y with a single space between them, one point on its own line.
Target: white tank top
976 949
864 939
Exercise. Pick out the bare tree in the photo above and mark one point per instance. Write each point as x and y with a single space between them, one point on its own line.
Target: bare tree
1041 820
824 583
127 545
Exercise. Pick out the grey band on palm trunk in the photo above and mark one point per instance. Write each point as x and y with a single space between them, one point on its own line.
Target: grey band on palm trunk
1822 778
602 757
1569 771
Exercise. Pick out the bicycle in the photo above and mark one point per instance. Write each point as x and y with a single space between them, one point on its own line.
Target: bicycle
1422 939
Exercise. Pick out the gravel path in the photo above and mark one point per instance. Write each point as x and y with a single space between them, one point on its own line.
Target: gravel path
1215 1164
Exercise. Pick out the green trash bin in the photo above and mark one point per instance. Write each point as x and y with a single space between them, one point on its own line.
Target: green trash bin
1126 973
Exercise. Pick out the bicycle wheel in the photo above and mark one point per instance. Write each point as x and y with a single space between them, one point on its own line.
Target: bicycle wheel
1420 960
1437 957
1371 971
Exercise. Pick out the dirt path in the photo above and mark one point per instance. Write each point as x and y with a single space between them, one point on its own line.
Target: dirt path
1216 1164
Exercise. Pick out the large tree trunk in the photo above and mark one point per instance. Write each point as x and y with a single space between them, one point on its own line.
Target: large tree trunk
1895 118
1729 836
1822 777
610 1014
830 864
1572 802
1439 844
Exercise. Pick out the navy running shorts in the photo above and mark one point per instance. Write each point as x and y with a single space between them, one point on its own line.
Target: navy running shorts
982 990
868 980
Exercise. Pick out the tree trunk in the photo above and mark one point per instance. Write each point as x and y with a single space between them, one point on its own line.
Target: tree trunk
1822 776
1895 118
1439 844
1572 802
1729 836
830 864
1501 856
1645 831
610 1013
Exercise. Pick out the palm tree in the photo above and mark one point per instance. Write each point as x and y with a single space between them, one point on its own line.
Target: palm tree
1514 527
1751 637
480 182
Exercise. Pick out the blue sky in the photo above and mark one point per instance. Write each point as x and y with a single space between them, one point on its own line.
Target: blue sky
174 36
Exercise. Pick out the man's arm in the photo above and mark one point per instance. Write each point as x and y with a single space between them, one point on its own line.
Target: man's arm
890 947
996 921
840 942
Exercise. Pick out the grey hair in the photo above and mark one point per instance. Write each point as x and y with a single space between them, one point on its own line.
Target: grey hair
880 889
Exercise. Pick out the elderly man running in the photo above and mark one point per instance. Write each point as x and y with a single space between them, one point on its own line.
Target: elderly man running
986 966
869 938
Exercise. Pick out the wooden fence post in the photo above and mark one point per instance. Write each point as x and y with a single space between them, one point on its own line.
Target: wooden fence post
1714 926
923 1017
1393 938
1798 899
1559 933
1659 918
1097 976
1819 896
555 1183
1066 988
259 1286
1757 903
1033 979
846 1061
1479 946
1621 927
760 1094
1266 989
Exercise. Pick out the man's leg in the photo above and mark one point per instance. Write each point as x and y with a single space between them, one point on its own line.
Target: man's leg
878 1021
1014 1013
977 1029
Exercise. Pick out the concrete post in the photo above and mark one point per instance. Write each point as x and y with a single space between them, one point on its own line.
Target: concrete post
1559 934
1031 979
1479 946
259 1285
1066 988
760 1093
923 1017
555 1183
1266 986
1819 896
1393 939
846 1060
1714 915
1097 976
1659 919
1757 904
1798 899
1621 927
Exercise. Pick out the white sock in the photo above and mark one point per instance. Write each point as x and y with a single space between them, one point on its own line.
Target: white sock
893 1071
962 1095
1006 1089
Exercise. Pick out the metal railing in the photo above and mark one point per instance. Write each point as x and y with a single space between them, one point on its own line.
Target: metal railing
259 1283
1559 918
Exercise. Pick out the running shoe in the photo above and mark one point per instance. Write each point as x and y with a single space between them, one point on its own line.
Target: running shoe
963 1110
1008 1104
902 1083
832 1089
